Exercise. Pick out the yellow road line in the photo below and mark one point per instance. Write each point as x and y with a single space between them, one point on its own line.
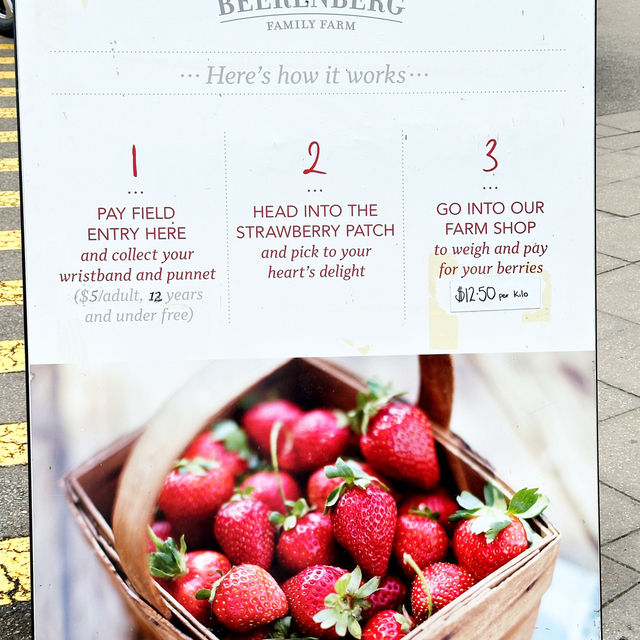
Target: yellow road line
11 356
13 444
7 75
8 112
7 45
7 60
15 580
9 198
10 293
8 164
10 240
8 136
7 92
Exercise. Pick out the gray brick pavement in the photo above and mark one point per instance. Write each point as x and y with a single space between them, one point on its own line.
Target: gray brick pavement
618 267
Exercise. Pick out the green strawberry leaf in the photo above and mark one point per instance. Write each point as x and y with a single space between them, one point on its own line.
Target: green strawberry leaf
233 437
168 561
528 503
493 497
532 536
491 524
197 466
203 594
290 523
468 501
355 629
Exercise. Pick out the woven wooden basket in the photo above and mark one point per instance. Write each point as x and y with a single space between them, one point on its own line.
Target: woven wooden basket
113 498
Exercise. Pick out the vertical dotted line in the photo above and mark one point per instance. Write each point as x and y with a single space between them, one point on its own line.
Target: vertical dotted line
404 228
226 219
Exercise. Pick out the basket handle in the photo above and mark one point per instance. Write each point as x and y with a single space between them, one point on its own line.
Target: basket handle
165 435
436 388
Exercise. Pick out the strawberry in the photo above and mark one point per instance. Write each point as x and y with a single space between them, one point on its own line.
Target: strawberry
491 534
316 438
184 574
390 595
227 443
243 530
436 586
162 529
388 625
420 535
441 504
191 495
280 630
397 439
259 420
363 517
246 598
306 539
327 601
319 486
265 488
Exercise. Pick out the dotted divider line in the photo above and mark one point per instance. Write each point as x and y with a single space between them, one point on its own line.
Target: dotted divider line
125 94
307 52
226 216
404 225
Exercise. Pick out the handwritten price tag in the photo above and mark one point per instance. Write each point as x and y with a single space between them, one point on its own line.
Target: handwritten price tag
495 294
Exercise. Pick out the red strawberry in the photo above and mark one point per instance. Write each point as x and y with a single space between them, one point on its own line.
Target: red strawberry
247 598
316 438
243 530
438 501
259 420
184 574
390 595
363 517
162 529
326 601
388 625
422 537
437 586
396 437
306 539
227 443
491 534
265 488
319 486
192 494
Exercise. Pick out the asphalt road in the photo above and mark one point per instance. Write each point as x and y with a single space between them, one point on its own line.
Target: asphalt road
618 57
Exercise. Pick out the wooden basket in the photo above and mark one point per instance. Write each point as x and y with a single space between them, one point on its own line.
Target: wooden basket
113 497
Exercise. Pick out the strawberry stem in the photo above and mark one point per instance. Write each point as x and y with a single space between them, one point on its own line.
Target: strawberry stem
425 585
273 445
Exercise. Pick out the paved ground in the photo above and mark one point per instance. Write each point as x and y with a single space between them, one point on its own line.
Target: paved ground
618 266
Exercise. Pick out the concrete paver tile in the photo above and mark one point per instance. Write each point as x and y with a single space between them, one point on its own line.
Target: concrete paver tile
620 142
616 579
620 238
606 263
619 440
618 290
620 165
620 619
610 325
613 402
621 198
619 515
603 180
602 217
625 550
600 151
628 121
604 131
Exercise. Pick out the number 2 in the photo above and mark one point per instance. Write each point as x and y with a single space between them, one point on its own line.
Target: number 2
312 152
492 144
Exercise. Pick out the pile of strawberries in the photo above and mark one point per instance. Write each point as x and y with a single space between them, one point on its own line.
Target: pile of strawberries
347 558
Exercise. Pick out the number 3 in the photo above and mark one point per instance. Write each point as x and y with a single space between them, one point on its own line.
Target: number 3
492 144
